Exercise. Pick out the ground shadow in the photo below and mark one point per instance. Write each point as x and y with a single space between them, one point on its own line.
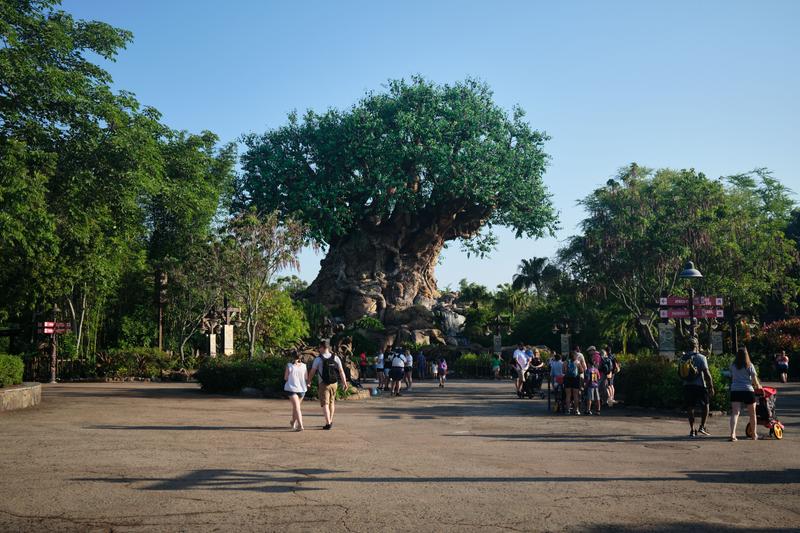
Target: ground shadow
297 479
188 428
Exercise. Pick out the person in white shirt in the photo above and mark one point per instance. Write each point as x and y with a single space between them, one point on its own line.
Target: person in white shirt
521 364
296 377
398 372
379 368
409 368
329 371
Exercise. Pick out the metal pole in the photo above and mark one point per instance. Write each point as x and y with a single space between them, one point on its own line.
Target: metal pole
53 347
692 323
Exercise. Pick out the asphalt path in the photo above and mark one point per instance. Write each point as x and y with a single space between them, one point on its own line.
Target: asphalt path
469 457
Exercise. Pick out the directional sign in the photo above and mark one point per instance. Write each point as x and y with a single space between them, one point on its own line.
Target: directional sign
682 312
680 301
48 328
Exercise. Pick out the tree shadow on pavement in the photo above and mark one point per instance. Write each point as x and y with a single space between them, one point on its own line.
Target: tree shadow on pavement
188 428
295 480
680 527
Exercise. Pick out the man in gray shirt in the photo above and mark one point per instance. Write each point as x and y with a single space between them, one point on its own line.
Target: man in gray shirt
698 390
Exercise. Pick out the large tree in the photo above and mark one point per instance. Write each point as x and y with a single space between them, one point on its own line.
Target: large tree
642 226
386 183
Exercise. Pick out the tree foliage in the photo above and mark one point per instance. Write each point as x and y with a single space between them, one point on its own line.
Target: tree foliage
642 226
419 150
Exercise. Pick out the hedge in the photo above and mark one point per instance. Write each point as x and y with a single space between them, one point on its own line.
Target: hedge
11 369
134 362
231 375
653 381
224 375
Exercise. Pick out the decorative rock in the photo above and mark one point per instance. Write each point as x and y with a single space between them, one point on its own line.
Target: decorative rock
20 396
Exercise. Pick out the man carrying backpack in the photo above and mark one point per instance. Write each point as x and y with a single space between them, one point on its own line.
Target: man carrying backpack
329 371
698 387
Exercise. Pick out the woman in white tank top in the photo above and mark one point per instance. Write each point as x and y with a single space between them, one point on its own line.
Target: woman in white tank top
296 376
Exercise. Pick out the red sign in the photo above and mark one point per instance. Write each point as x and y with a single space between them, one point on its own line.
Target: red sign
48 328
680 301
683 312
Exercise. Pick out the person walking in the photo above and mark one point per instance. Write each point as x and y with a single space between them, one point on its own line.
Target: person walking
379 368
592 376
497 362
409 369
744 382
615 368
296 378
521 366
362 363
782 365
422 367
557 381
329 371
435 369
442 372
397 372
698 387
574 369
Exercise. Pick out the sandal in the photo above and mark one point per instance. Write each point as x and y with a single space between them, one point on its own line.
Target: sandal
733 439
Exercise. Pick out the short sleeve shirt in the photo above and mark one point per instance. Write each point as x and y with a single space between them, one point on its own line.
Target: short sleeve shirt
742 378
317 365
701 363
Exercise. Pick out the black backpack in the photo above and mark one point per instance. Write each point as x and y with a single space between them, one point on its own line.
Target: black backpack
329 370
606 366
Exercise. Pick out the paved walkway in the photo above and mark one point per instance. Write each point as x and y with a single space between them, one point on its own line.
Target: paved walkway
471 457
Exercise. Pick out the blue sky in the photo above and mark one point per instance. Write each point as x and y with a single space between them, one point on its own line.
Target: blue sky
712 85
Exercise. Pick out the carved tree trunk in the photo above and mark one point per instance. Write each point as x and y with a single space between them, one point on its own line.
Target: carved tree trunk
389 266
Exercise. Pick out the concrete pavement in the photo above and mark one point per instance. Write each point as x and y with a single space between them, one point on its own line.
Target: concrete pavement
470 457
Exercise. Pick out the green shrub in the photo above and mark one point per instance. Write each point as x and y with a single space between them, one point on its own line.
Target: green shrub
134 362
653 381
473 365
223 375
11 369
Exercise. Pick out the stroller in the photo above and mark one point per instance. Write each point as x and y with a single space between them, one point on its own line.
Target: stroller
765 413
532 384
559 395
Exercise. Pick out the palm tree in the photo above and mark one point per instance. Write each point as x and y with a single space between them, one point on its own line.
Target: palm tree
536 272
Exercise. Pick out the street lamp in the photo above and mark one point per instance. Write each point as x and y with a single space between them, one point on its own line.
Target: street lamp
690 272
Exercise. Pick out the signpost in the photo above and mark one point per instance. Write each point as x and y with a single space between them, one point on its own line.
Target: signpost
666 340
682 312
701 301
565 344
716 342
497 344
53 329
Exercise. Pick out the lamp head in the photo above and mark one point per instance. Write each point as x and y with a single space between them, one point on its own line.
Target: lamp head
689 271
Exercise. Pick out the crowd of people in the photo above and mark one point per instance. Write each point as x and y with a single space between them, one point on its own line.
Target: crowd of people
576 380
581 384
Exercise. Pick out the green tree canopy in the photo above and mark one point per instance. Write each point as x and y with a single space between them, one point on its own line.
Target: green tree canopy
419 150
642 226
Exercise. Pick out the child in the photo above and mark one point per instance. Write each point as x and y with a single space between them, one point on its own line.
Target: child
782 364
592 389
442 371
435 369
296 377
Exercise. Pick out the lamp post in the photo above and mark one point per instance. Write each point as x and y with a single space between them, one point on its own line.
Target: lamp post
690 272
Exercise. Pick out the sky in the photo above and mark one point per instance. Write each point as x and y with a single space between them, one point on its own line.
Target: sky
712 85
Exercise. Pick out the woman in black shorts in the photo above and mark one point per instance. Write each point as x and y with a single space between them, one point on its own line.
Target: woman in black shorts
744 381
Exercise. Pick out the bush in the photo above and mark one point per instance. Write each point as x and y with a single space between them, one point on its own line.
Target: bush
134 362
653 381
473 365
223 375
229 376
11 369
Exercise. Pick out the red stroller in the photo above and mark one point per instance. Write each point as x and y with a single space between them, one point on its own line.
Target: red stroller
765 413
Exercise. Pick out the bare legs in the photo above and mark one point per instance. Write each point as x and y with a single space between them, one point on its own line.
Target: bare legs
297 413
751 411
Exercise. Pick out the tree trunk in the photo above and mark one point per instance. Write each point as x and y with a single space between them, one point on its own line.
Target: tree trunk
375 273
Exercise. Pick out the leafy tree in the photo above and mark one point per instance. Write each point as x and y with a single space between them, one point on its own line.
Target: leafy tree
255 249
537 273
283 323
641 227
385 184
